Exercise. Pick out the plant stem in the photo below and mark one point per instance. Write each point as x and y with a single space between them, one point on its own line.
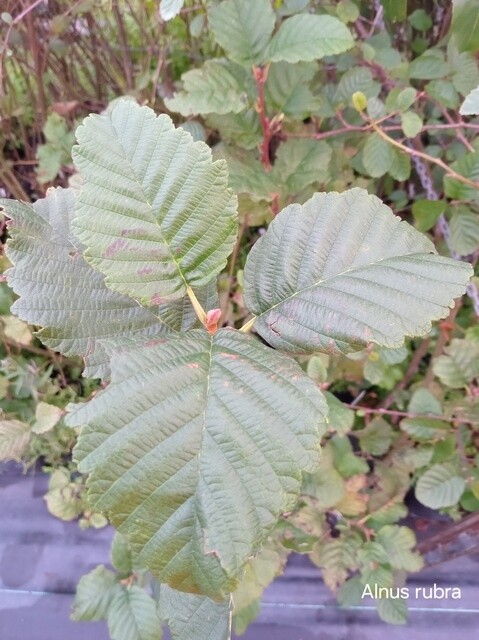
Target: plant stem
413 152
200 312
248 325
260 75
405 414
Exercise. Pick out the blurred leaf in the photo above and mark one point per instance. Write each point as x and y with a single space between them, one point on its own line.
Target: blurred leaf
470 106
301 162
188 614
426 213
440 486
460 364
398 542
170 8
411 124
94 594
464 226
14 437
46 417
465 25
132 615
218 87
378 155
392 610
376 437
429 66
395 10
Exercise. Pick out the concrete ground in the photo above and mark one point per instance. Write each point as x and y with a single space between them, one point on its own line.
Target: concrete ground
42 559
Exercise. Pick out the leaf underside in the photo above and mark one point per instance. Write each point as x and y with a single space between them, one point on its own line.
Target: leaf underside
60 291
342 271
198 464
155 213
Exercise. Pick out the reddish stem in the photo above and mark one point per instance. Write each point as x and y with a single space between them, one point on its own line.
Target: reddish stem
260 76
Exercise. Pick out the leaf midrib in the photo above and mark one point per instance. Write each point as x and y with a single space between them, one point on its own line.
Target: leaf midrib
318 283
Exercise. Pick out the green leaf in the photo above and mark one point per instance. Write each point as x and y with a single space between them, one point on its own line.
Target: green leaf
170 8
464 231
46 417
345 461
301 162
376 438
247 175
460 364
347 11
188 615
429 66
397 542
350 594
259 573
420 20
357 79
426 213
465 25
132 616
154 213
440 486
466 73
218 87
470 106
378 155
190 461
340 417
14 438
60 291
243 28
327 486
411 124
468 166
400 169
444 92
423 401
392 610
337 558
244 129
121 555
342 271
401 100
287 89
56 152
423 429
94 594
395 10
307 37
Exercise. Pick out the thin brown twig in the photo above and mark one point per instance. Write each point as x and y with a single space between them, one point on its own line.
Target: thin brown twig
406 414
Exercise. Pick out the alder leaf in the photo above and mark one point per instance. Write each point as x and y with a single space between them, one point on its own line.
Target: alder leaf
307 37
470 106
440 486
132 615
341 271
60 291
94 594
193 616
154 213
195 449
170 8
14 437
218 87
243 28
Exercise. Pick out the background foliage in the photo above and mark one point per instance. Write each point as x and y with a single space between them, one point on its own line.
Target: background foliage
376 104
